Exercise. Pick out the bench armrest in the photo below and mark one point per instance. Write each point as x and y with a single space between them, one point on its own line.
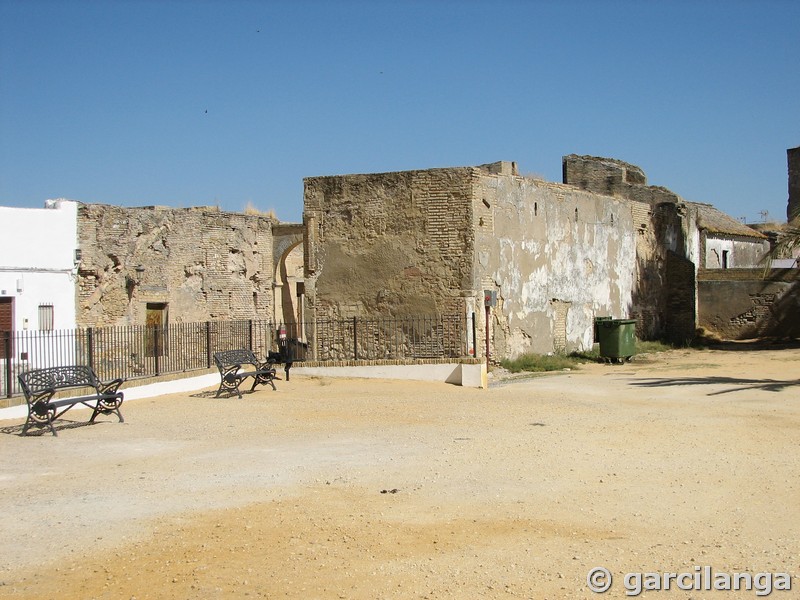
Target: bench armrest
40 400
229 372
110 387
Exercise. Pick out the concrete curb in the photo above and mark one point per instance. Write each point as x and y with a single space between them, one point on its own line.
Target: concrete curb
467 375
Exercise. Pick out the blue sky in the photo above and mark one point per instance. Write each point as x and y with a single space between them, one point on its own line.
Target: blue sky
232 102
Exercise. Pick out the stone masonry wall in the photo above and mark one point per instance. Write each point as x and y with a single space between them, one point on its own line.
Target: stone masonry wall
612 177
202 263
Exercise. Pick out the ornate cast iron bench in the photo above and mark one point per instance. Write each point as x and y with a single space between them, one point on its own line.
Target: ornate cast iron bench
40 385
230 364
281 357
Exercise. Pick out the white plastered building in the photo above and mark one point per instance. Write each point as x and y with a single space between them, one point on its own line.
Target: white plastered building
38 257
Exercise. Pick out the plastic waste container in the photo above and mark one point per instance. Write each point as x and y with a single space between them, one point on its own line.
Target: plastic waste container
617 339
597 321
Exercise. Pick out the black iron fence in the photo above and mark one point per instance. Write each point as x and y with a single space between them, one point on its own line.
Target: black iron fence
133 352
440 336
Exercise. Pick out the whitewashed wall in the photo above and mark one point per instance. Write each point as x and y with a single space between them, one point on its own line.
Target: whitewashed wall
37 261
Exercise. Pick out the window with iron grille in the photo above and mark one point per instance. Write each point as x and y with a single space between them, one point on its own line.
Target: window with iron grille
45 317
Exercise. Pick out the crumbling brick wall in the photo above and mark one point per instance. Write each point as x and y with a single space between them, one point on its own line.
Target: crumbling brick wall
388 244
743 303
202 263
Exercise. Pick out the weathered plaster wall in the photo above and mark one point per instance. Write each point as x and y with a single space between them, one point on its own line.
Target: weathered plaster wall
203 263
557 257
669 246
389 244
732 253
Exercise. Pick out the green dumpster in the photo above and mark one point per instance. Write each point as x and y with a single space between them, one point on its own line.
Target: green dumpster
597 321
617 339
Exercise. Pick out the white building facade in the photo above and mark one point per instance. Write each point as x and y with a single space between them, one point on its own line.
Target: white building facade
38 256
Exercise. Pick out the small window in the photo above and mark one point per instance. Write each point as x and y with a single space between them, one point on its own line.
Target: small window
724 259
46 317
576 215
535 209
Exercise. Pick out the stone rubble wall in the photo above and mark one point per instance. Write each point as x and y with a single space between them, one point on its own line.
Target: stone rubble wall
202 263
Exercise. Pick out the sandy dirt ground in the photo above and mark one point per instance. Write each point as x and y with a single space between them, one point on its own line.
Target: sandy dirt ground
363 489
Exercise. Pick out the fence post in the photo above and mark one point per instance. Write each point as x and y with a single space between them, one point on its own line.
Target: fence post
208 344
250 334
355 338
7 355
90 346
157 349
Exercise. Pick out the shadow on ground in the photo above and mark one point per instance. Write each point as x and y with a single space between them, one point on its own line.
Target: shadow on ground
59 425
737 383
753 345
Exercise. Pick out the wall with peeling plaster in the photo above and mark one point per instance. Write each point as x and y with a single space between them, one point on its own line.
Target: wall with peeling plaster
557 257
429 242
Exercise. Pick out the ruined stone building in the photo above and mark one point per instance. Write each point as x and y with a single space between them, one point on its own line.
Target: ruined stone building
155 265
149 265
427 242
558 255
110 265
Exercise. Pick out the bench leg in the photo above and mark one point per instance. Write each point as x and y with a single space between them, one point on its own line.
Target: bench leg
100 408
39 422
229 386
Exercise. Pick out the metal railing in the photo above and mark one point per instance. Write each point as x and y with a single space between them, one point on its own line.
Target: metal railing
133 352
440 336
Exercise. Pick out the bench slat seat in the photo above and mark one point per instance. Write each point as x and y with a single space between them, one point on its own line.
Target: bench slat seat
237 365
40 385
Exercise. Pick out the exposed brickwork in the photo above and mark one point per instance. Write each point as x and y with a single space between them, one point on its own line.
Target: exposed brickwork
747 303
560 310
613 178
393 244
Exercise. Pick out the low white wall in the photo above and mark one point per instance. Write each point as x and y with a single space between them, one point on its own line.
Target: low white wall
457 374
189 384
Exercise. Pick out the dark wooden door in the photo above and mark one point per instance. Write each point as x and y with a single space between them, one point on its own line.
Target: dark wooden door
6 322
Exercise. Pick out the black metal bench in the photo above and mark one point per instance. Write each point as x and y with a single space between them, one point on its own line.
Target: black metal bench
232 371
40 385
281 357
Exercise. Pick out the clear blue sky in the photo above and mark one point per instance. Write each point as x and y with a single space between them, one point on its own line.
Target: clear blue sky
231 102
